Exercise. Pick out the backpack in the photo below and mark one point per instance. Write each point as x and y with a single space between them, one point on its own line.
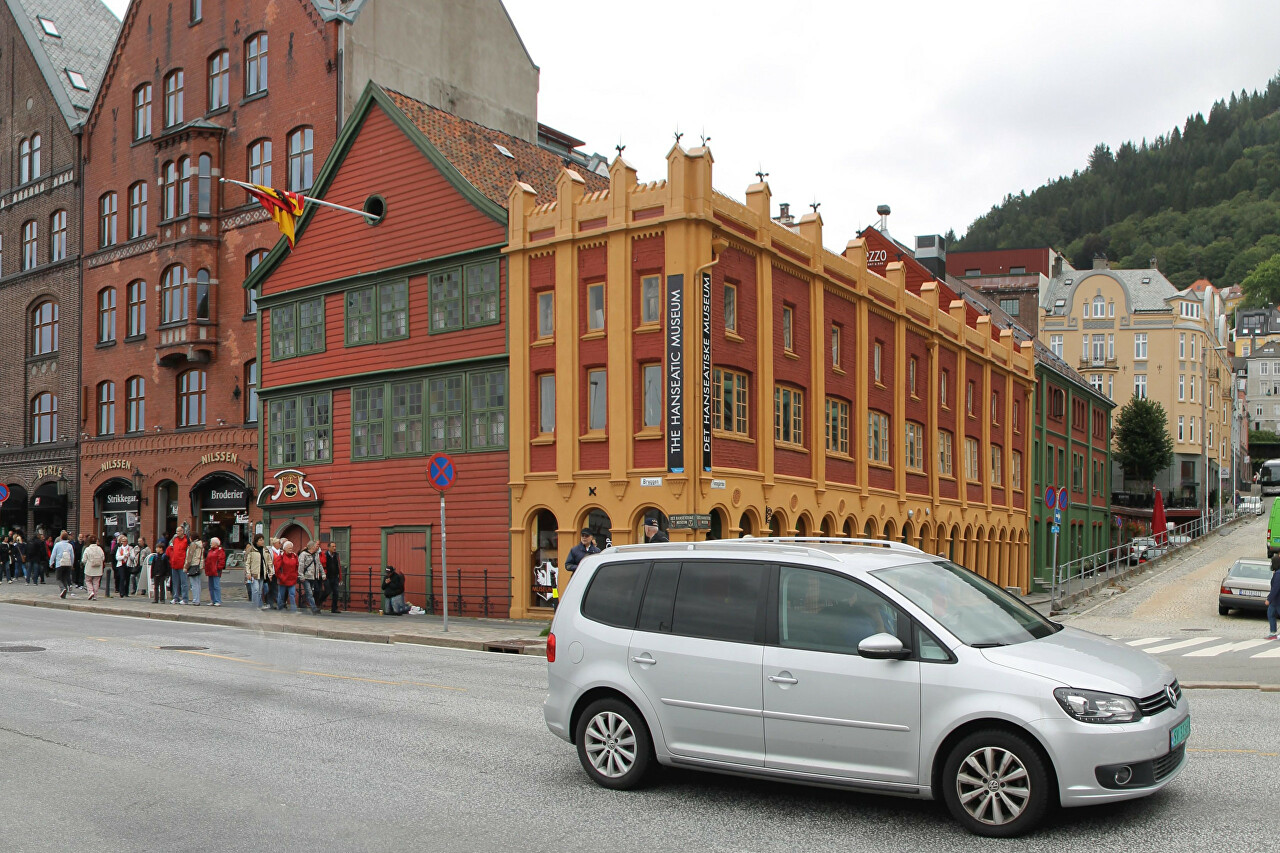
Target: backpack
65 557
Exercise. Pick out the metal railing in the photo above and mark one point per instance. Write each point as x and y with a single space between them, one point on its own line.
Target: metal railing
1094 569
471 593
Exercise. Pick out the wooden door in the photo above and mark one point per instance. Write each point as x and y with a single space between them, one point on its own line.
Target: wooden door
407 551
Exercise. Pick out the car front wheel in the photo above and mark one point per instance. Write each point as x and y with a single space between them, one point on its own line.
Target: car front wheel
996 784
614 744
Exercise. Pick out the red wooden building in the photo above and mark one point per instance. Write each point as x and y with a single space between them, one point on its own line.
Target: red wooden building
385 341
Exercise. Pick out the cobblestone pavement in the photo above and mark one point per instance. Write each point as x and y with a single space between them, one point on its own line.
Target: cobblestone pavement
516 636
1172 612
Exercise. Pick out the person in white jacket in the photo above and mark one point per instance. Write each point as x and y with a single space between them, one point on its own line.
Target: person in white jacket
94 559
62 559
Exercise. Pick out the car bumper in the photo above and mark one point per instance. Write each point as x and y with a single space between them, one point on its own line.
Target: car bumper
1242 602
558 708
1082 750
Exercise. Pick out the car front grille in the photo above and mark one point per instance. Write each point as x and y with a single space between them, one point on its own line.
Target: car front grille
1169 762
1157 702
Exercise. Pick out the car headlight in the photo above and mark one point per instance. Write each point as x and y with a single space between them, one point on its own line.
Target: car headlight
1090 706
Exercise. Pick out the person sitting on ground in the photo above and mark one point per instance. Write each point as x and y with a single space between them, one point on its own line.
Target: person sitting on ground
393 593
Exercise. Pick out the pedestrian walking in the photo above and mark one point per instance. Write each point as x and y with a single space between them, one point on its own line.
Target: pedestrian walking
160 571
122 566
333 576
257 569
311 574
77 573
94 565
215 561
18 553
275 551
586 547
61 559
651 531
1273 597
195 569
6 566
109 546
286 574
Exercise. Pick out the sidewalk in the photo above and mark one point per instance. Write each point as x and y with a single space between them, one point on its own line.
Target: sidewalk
498 635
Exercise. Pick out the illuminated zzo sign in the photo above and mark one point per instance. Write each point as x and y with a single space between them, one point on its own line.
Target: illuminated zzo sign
675 374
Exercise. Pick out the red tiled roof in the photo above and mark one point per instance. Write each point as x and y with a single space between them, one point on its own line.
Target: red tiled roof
470 147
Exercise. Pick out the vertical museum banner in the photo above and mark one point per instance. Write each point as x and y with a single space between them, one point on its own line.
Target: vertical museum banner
675 373
706 370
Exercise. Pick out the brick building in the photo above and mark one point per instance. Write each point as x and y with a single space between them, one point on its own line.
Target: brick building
255 90
52 56
678 352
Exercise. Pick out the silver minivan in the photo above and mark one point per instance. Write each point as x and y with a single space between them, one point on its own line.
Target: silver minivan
860 664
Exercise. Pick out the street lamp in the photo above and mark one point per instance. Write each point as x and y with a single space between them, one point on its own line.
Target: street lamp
250 484
138 480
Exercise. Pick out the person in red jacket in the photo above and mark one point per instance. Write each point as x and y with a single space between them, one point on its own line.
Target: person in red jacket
214 562
180 584
286 565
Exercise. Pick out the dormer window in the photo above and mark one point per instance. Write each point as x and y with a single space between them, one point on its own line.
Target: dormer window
49 28
77 80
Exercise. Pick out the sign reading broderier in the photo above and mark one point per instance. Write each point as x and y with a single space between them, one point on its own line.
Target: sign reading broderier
225 497
706 370
675 373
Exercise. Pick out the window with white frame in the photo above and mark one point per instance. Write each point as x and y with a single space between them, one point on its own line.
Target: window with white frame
1182 345
1182 387
878 437
1140 346
650 298
913 448
944 453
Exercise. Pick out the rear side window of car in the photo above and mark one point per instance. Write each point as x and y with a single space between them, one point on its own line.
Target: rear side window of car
614 594
659 598
719 601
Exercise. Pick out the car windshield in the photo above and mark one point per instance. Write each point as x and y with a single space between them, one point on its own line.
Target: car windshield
976 611
1252 570
1138 543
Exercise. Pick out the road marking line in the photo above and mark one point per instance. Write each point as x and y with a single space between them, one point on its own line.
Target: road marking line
1270 653
345 677
437 686
1237 752
219 657
1147 641
1225 647
1181 644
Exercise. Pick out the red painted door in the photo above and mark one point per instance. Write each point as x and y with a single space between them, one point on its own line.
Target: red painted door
407 552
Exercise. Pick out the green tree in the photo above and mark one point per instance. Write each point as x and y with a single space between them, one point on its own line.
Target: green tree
1142 443
1262 286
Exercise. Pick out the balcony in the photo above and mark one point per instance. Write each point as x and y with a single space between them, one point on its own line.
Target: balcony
193 342
1087 363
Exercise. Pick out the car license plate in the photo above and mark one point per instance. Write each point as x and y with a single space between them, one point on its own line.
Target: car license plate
1179 733
1253 593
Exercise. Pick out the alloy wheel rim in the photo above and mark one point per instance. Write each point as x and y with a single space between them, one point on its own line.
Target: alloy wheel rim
610 744
993 786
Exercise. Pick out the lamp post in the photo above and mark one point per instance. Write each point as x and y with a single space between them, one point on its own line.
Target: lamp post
138 480
250 484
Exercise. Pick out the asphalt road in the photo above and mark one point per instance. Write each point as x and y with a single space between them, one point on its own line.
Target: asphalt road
277 742
1172 612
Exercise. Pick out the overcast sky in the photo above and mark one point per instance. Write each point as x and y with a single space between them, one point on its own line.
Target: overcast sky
936 108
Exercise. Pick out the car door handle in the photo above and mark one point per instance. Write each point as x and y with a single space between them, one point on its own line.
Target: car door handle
783 679
644 658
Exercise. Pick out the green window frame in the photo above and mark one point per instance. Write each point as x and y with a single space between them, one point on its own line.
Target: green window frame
284 333
297 328
359 317
445 404
311 326
406 418
393 311
456 412
464 296
368 417
300 429
487 405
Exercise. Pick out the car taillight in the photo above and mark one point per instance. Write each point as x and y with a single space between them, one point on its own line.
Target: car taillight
1225 591
551 648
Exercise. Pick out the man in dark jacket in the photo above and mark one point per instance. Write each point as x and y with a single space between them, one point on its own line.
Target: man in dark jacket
393 593
581 551
332 576
1273 597
651 531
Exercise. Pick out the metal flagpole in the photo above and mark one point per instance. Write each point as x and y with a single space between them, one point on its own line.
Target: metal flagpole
305 198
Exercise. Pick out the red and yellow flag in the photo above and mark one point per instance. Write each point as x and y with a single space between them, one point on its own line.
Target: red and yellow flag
284 206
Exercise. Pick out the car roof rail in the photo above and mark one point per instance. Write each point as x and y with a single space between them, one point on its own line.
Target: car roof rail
826 540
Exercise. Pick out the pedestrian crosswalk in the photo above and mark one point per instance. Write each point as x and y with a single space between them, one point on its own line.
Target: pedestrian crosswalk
1204 647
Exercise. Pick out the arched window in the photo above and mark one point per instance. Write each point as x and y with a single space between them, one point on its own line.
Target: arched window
137 324
202 295
44 419
29 244
24 161
1099 306
219 80
173 98
301 142
168 190
35 156
260 162
106 408
251 262
191 398
136 397
142 111
107 208
204 185
58 236
184 186
255 64
251 392
173 294
44 328
107 315
137 210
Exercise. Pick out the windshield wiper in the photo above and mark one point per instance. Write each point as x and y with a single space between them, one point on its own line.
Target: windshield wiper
987 645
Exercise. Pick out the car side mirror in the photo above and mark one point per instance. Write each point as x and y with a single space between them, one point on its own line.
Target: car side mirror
883 647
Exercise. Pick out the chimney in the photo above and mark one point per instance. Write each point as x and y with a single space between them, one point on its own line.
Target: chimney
1152 263
931 251
784 216
1056 270
1100 262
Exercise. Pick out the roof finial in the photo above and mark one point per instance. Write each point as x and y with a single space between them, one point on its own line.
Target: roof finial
815 205
705 139
761 174
677 134
620 147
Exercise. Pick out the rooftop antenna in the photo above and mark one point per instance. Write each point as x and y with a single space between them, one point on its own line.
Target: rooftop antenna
883 212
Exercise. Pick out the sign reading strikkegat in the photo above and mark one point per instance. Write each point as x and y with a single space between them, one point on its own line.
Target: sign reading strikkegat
706 371
675 373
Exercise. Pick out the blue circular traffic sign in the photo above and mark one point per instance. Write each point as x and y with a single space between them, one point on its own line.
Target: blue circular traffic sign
1050 496
440 471
1063 498
4 493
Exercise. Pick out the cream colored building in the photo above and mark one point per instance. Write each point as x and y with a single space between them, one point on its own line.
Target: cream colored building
1131 332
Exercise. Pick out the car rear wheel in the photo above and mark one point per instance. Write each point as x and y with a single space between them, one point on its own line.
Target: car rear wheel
614 744
1223 611
996 784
